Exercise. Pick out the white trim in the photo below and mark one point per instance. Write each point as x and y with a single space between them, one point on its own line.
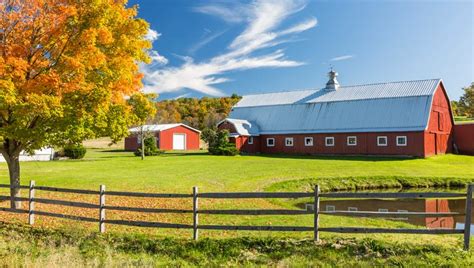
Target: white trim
380 144
250 140
312 141
351 137
329 138
352 209
271 145
402 144
289 139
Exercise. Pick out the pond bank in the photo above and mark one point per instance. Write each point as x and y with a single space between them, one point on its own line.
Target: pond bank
357 183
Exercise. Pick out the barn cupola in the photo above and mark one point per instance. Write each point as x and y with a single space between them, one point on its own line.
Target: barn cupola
332 84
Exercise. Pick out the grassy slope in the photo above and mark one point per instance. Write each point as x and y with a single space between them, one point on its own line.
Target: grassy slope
74 248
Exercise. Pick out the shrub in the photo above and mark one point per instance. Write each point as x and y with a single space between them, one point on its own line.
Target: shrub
150 148
75 151
219 143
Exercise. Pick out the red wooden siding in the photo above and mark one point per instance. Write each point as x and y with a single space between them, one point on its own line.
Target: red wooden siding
464 138
166 138
366 144
438 136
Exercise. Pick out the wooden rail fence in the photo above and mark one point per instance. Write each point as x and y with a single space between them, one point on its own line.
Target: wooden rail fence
195 211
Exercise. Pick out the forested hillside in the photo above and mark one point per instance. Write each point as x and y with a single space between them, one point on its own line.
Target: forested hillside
198 113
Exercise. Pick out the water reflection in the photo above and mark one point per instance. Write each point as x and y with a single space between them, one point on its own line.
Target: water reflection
404 205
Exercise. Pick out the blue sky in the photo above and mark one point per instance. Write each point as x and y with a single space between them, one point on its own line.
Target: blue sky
216 48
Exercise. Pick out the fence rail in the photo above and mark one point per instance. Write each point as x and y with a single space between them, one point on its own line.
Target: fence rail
195 211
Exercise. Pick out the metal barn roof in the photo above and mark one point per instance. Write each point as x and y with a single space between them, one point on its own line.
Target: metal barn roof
159 127
396 106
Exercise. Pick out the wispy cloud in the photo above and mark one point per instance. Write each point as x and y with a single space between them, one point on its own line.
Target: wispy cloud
345 57
208 37
263 19
232 12
156 58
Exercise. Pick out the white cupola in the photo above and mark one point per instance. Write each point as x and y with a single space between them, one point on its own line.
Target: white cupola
332 84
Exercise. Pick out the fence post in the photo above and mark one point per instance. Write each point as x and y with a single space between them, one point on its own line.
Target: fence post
467 221
31 205
316 213
102 209
195 213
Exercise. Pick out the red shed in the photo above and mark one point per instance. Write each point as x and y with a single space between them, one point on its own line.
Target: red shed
168 137
406 118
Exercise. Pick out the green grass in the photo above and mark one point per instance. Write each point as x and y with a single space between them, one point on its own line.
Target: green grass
75 248
175 172
463 119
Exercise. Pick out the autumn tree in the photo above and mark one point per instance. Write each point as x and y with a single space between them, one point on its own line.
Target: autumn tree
143 110
66 67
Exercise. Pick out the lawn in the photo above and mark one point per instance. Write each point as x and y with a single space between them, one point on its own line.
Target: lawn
178 172
175 172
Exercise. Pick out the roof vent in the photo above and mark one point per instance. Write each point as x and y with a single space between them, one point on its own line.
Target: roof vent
332 84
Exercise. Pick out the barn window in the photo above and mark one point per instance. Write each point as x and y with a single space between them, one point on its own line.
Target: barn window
289 142
401 140
270 142
330 208
382 141
351 141
329 141
308 141
383 210
250 140
352 209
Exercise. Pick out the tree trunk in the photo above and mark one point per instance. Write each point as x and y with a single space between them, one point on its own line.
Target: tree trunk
14 171
143 142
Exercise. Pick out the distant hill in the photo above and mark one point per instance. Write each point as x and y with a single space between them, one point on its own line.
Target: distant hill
198 113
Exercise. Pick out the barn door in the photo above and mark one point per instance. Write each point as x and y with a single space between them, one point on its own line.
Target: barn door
179 141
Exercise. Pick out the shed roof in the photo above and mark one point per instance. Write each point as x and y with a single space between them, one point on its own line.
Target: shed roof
159 127
243 127
395 106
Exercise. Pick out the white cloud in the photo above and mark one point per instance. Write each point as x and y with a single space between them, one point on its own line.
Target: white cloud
156 58
208 37
345 57
263 19
229 12
152 35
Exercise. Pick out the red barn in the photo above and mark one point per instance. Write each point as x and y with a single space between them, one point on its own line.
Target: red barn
168 137
410 118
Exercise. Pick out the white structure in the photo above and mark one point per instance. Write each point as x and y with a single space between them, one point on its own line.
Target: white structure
45 154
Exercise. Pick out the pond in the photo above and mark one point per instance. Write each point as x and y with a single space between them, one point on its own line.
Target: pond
404 205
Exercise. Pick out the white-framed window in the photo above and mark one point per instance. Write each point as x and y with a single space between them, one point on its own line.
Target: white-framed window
351 140
383 210
401 140
289 141
139 139
329 141
330 208
308 141
402 210
352 209
309 207
250 140
270 142
382 141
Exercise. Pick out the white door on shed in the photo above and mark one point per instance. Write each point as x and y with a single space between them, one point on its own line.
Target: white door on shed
179 141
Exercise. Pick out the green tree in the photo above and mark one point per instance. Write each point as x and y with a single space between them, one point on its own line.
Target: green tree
65 70
143 110
466 102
